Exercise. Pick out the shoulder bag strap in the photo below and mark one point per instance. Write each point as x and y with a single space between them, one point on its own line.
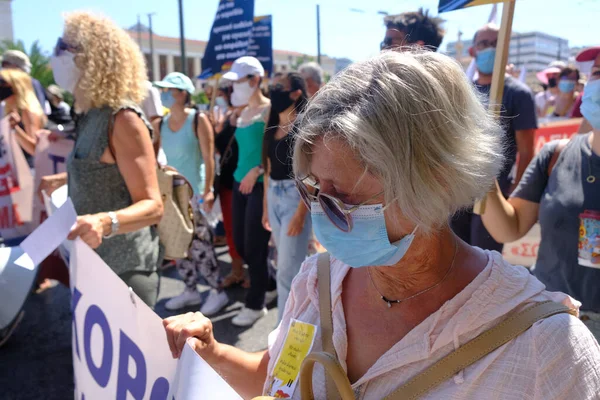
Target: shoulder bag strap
560 146
476 349
324 289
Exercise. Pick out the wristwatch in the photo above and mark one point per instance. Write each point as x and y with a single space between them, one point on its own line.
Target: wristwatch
261 170
114 224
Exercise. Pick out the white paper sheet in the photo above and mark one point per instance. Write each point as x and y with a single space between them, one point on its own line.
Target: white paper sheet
50 234
196 380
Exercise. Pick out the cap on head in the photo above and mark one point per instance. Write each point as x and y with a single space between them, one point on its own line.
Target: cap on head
56 91
588 54
176 80
543 75
18 59
243 67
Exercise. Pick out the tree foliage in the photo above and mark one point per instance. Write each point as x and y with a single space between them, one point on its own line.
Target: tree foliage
40 62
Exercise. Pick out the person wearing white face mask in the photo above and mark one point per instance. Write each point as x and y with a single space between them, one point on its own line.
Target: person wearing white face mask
111 172
251 238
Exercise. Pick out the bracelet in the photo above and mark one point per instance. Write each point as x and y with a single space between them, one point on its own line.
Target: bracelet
114 227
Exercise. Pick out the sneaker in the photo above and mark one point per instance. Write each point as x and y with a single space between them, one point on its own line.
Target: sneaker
185 299
248 317
270 296
214 303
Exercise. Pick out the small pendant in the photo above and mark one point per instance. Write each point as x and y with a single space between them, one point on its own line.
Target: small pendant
591 179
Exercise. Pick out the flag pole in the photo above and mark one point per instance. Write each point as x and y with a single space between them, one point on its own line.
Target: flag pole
497 88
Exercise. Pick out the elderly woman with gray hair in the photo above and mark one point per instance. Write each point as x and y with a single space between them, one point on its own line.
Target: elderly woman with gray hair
386 153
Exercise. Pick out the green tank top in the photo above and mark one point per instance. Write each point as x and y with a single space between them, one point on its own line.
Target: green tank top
249 138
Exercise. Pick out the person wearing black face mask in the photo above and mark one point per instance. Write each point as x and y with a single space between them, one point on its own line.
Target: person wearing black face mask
284 213
545 100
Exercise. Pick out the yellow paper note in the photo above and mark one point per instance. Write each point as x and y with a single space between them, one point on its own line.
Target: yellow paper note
298 343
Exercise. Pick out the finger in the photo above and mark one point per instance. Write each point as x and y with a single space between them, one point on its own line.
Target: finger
92 239
198 329
170 331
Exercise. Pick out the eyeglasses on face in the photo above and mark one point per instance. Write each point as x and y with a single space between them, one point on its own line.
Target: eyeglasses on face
338 213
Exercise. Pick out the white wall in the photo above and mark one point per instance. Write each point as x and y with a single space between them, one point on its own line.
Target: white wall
6 25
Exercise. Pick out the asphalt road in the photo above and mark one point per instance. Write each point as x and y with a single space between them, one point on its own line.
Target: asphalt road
36 362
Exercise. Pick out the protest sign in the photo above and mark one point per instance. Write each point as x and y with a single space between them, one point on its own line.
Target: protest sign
16 187
50 158
524 251
120 348
229 36
261 42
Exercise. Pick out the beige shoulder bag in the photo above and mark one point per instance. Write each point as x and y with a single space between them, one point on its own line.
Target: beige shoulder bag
441 371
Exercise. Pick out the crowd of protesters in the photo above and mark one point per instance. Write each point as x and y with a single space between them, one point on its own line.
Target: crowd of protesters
243 154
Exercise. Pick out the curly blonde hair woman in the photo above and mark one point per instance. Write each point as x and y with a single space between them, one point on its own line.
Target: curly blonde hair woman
22 106
112 169
112 67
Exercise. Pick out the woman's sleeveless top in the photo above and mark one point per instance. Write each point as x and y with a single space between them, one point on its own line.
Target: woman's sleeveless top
95 187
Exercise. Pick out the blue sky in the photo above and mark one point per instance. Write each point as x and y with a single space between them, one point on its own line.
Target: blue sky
343 33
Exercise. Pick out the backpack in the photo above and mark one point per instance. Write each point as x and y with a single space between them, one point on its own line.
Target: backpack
176 227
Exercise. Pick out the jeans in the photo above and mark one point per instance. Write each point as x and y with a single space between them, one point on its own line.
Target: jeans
283 200
252 242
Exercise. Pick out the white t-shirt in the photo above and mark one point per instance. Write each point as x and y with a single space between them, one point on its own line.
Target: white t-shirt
151 105
542 98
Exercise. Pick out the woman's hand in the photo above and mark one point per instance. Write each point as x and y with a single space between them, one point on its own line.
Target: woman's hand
265 219
195 326
50 183
296 225
247 184
14 119
90 228
209 201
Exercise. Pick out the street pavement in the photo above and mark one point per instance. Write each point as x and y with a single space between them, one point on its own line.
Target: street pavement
36 362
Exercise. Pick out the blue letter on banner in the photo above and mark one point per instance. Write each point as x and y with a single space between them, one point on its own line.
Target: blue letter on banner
126 383
95 316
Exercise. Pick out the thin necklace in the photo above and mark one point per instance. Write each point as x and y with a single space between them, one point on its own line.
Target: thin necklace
390 302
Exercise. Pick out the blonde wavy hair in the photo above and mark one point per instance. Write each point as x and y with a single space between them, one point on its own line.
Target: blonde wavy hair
25 98
113 70
415 122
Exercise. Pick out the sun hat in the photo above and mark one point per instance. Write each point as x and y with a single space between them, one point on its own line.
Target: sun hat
176 80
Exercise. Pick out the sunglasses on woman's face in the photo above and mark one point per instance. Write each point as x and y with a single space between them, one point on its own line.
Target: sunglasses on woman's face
61 46
338 213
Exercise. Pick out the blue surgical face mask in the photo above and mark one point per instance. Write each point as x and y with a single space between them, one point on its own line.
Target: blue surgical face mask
590 103
485 60
367 244
566 86
167 99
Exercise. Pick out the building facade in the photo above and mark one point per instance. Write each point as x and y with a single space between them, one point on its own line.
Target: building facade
167 55
6 24
534 50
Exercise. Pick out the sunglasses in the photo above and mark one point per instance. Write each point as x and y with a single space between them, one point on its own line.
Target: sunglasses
62 46
338 213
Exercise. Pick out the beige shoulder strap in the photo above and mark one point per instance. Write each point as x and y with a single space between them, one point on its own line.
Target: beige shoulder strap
324 289
476 349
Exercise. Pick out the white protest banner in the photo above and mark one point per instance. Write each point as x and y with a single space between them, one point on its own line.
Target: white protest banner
120 348
50 159
16 186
